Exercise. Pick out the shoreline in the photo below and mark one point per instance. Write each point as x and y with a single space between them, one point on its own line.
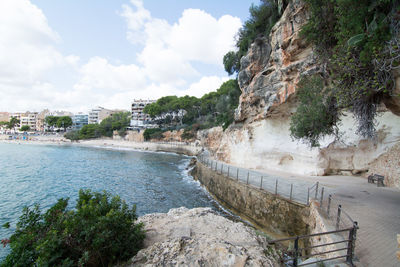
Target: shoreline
105 143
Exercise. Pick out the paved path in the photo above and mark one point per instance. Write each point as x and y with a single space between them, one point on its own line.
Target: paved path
376 209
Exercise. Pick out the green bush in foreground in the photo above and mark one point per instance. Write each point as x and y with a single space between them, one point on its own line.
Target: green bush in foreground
100 231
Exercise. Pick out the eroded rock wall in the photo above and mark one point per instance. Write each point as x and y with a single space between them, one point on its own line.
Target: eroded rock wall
260 138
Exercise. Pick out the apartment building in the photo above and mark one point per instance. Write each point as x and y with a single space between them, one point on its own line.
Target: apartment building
29 119
139 118
79 120
98 114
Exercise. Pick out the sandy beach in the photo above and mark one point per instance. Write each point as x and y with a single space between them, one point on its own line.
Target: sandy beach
108 143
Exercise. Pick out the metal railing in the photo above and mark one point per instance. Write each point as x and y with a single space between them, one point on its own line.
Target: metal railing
298 253
274 185
335 216
174 143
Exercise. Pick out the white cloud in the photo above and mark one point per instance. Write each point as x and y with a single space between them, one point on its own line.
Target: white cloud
204 86
35 75
98 73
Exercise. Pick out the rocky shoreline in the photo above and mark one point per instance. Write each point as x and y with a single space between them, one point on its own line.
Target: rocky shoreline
200 237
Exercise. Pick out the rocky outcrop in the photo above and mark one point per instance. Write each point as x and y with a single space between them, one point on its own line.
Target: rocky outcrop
260 137
199 237
272 68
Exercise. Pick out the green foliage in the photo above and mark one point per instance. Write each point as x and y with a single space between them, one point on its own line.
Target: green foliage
262 18
117 122
316 115
72 135
90 131
3 123
64 122
51 120
154 133
25 128
214 108
100 231
353 39
13 122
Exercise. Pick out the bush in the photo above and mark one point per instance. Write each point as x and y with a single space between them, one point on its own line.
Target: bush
316 115
72 135
154 133
90 131
25 128
100 231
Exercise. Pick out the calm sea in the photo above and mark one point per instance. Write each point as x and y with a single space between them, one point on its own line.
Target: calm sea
155 182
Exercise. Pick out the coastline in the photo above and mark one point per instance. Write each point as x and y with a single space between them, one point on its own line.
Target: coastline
107 143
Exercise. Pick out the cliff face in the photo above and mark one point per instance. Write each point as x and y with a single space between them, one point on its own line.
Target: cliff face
271 69
261 138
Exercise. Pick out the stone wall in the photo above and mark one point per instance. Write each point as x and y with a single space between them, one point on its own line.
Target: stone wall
388 165
270 213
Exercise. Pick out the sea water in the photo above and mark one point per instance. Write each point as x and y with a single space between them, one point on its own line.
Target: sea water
154 182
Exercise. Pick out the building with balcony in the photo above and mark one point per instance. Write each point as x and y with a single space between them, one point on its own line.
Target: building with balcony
140 119
98 114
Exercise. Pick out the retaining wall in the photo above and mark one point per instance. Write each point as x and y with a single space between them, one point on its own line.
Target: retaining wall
270 213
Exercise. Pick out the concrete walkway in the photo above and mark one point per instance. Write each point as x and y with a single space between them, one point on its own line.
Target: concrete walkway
376 209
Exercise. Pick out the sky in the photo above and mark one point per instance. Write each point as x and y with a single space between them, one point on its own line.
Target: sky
75 55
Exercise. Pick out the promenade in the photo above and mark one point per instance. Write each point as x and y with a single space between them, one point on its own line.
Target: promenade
376 209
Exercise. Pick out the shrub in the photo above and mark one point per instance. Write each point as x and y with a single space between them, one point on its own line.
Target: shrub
72 135
100 231
317 114
154 133
25 128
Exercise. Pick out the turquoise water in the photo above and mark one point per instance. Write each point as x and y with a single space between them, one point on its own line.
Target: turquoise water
155 182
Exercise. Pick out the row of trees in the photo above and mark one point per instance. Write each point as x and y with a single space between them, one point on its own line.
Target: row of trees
213 109
59 122
116 122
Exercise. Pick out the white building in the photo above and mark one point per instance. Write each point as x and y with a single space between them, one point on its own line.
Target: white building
98 114
139 118
29 119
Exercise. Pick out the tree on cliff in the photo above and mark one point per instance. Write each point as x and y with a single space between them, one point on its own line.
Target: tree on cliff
262 18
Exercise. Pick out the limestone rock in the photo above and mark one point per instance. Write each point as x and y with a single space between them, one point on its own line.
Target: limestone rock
271 69
199 237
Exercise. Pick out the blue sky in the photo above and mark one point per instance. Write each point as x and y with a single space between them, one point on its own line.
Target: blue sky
75 55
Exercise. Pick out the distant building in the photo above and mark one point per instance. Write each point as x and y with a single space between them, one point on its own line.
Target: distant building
79 120
139 118
4 116
29 119
98 114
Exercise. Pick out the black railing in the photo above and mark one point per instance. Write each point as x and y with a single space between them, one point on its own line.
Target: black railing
297 254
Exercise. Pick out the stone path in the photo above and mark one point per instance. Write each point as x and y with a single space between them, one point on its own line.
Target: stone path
376 209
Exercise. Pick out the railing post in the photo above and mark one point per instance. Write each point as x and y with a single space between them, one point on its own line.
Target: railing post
339 211
322 195
237 174
349 255
308 196
248 173
329 204
276 187
211 165
216 166
261 182
316 191
296 251
291 191
228 171
222 168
